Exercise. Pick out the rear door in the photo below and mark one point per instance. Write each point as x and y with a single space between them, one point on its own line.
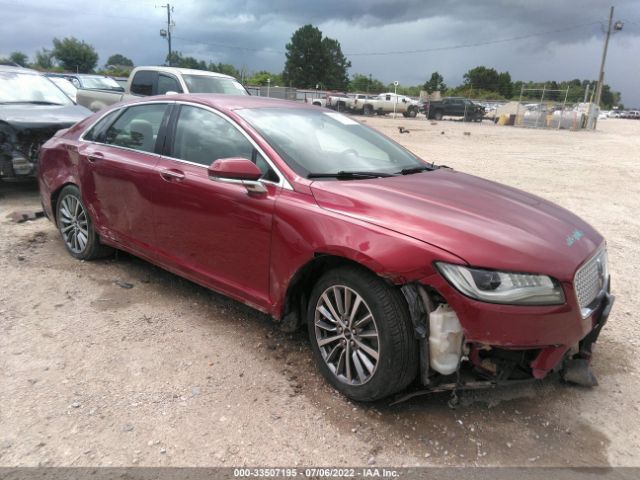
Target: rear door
116 168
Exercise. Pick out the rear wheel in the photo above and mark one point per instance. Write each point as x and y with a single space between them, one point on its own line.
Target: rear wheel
413 112
368 110
361 334
437 115
76 227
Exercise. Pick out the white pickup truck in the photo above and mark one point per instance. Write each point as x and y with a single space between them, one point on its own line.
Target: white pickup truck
385 103
145 81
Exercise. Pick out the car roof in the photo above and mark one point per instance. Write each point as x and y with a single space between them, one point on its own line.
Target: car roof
185 71
228 102
10 68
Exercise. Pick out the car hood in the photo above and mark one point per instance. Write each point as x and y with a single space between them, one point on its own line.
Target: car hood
484 223
27 116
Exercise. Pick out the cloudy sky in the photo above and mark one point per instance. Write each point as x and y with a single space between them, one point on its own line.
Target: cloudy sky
402 40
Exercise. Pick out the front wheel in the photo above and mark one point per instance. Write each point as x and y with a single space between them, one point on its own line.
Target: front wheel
361 334
76 227
437 115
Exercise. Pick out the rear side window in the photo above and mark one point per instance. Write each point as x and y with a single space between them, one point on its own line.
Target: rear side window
137 128
167 83
95 133
142 83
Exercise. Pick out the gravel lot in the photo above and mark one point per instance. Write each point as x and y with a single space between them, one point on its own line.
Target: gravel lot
168 373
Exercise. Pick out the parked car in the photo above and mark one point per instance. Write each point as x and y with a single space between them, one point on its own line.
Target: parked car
402 271
146 81
122 81
89 81
454 107
66 86
32 109
387 103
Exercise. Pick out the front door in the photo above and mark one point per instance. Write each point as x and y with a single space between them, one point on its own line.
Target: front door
216 233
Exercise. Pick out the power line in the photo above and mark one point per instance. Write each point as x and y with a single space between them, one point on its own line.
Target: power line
226 45
476 44
404 52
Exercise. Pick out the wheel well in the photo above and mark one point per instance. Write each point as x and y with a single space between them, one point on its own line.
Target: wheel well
54 198
297 296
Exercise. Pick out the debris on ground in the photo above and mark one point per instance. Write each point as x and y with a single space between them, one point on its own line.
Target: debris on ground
125 285
403 130
24 216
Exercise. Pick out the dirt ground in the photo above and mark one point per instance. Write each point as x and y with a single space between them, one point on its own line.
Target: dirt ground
168 373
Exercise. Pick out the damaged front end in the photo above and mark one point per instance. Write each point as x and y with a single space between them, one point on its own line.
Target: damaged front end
450 363
19 148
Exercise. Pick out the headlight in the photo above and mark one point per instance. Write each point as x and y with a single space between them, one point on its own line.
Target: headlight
503 287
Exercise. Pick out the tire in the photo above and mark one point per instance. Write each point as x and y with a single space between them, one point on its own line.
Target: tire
380 324
76 228
367 110
413 112
437 115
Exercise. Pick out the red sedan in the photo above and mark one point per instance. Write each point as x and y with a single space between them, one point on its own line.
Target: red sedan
403 271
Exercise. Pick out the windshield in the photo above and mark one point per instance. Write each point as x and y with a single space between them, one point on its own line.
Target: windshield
103 83
211 84
66 86
17 87
317 141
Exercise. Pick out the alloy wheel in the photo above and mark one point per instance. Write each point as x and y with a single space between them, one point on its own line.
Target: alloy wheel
347 335
74 224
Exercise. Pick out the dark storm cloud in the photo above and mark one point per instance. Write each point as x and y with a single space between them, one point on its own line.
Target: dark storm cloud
253 34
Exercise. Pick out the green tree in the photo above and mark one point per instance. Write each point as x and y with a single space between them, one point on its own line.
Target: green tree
119 60
44 59
75 55
180 61
19 58
505 87
366 84
312 60
262 77
336 65
225 68
435 83
482 78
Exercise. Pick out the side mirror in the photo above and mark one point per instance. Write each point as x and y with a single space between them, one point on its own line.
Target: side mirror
234 169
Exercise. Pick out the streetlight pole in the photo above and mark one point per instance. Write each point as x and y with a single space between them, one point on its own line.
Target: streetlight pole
395 93
268 87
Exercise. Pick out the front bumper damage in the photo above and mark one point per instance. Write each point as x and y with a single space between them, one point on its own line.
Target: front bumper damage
487 367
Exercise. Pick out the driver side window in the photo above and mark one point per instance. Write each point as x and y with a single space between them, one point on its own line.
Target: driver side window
203 137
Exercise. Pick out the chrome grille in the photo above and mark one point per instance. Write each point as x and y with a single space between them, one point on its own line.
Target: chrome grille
590 280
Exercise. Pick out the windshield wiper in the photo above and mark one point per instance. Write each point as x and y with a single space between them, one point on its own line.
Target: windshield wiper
421 168
349 175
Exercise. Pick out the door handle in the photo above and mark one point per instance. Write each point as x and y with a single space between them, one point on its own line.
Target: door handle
94 156
172 175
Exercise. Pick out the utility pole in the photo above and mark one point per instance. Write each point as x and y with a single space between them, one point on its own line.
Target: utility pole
604 58
167 33
617 26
